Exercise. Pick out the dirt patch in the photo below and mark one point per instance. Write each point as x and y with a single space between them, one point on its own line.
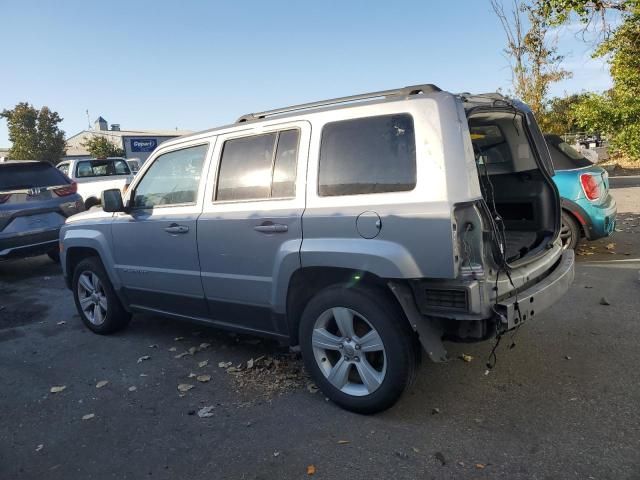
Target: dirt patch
270 375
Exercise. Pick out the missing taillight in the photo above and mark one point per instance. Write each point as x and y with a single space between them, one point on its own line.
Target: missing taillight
590 186
68 190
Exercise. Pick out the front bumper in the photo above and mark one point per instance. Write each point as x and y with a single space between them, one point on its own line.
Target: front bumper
531 302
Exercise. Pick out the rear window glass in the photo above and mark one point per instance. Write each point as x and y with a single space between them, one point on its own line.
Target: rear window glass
563 155
29 175
489 144
102 168
368 155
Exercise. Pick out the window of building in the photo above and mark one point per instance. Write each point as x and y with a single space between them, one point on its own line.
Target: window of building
172 179
367 155
258 167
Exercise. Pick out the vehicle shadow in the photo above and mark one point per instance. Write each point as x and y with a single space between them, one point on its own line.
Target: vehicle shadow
28 268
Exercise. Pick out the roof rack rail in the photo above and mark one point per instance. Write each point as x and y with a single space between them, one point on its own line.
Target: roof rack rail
398 92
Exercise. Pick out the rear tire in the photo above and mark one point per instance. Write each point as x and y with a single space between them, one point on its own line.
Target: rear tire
569 231
358 347
97 303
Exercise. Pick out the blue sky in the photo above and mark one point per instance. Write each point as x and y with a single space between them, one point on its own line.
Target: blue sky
198 64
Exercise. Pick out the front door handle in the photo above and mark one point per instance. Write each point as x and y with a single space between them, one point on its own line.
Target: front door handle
271 228
175 228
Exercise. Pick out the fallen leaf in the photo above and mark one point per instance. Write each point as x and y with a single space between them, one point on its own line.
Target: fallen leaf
192 375
184 387
58 389
193 350
177 339
250 363
101 383
604 301
132 388
62 322
204 346
312 388
205 412
466 358
415 450
276 453
180 355
39 447
203 363
143 358
610 246
224 364
88 416
155 345
311 470
343 442
173 349
480 466
203 378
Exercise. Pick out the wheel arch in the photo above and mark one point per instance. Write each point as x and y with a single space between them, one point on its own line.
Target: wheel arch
306 282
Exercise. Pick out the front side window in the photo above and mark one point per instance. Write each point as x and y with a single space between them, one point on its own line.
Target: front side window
102 168
258 167
172 179
367 155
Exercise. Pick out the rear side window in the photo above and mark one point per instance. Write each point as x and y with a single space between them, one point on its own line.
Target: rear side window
258 167
368 155
102 168
172 179
28 175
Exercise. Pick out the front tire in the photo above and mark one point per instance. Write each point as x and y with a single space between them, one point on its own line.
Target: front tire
569 231
97 303
358 347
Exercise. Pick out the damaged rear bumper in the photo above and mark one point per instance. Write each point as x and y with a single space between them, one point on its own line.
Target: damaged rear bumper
529 303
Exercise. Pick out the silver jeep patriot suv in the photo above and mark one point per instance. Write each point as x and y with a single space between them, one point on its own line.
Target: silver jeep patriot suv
360 229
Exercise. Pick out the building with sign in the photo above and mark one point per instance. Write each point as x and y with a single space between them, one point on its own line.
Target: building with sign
135 143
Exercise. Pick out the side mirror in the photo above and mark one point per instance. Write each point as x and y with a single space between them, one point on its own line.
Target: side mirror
112 200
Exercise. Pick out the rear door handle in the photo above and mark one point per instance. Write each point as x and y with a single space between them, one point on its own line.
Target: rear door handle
271 228
175 228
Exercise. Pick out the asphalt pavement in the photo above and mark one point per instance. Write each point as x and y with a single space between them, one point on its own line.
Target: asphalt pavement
563 403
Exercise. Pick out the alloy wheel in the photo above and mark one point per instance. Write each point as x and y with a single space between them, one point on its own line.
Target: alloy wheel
349 351
92 298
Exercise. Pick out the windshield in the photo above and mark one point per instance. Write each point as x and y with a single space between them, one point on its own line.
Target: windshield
102 168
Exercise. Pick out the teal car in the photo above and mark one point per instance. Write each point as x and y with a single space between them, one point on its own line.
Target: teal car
588 209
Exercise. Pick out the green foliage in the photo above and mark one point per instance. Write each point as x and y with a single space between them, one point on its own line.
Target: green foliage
34 134
559 114
102 147
616 113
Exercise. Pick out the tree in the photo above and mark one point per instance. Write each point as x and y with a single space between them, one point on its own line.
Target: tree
102 147
616 112
534 59
559 115
34 134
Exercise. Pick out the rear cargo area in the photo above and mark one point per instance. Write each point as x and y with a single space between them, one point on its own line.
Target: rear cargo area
520 197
